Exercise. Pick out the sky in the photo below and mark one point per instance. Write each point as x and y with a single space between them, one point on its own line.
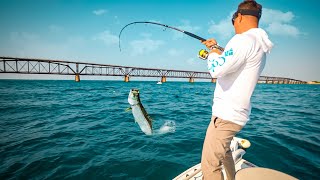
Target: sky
88 30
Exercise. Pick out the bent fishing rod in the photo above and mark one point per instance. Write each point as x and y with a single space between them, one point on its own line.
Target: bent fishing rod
166 26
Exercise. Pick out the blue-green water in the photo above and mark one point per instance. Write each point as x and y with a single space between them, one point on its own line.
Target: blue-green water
69 130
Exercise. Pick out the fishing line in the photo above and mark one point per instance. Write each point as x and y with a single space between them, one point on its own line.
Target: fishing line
170 27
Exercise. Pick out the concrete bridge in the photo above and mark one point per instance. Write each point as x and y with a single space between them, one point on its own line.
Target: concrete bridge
59 67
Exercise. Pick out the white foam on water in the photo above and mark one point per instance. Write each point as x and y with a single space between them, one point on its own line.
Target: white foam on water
167 127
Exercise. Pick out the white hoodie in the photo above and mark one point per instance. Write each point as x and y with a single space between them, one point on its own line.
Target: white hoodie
237 71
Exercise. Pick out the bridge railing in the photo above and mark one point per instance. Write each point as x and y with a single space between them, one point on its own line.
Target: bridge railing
58 67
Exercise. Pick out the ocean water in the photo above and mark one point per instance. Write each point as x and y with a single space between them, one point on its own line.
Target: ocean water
69 130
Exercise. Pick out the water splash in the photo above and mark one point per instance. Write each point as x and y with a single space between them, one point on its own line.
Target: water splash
167 127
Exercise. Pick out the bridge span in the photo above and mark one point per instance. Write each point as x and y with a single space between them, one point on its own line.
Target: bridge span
59 67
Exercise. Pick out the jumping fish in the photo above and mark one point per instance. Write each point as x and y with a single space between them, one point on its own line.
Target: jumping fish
139 113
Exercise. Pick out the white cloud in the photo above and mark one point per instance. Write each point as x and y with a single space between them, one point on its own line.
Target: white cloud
283 29
223 28
107 38
99 12
271 15
144 46
277 22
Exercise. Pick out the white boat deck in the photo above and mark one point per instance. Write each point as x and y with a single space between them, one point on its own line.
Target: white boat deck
248 171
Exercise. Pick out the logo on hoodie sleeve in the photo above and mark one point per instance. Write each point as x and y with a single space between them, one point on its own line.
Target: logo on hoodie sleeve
219 61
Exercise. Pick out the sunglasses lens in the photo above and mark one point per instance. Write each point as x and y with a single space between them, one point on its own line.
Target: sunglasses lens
235 15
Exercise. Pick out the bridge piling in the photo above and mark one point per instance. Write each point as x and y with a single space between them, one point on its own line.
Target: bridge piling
163 79
191 80
77 79
126 78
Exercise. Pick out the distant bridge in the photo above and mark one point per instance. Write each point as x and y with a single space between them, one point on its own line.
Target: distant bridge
58 67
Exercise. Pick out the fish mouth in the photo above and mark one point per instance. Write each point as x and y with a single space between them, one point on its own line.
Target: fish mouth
134 95
135 91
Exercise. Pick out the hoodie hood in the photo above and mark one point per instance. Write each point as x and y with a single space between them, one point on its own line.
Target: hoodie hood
263 38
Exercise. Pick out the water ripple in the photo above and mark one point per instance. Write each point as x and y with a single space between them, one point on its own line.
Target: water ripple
67 130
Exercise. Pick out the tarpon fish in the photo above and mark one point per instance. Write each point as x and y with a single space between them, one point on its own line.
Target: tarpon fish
139 113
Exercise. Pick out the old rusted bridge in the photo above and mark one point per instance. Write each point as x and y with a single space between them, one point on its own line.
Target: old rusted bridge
58 67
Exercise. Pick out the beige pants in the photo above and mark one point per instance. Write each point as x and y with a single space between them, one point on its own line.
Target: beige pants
216 149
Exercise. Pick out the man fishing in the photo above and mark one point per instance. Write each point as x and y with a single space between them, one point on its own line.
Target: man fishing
237 70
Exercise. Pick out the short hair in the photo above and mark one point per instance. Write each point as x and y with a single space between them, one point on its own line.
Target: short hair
248 7
251 5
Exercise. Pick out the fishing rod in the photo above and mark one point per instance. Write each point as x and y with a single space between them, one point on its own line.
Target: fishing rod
166 26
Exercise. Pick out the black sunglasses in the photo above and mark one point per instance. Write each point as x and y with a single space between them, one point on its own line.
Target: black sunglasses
234 16
250 12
